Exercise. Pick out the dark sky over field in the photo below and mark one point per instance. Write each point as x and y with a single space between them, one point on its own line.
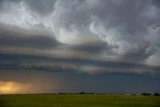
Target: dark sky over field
79 45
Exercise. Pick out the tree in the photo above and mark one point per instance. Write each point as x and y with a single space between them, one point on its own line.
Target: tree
156 94
146 94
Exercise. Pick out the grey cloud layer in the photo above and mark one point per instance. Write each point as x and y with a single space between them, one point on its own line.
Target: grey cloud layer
123 29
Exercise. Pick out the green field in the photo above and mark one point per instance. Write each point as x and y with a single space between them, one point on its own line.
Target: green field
84 100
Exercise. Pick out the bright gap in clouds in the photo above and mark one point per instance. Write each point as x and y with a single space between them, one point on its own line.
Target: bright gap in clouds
12 87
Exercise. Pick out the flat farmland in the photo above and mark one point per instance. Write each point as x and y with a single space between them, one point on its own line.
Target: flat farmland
77 100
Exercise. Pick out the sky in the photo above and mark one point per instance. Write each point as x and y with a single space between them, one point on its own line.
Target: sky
104 46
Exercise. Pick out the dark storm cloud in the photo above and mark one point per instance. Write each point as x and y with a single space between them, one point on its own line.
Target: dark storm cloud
12 38
20 39
97 47
41 7
95 35
50 64
53 45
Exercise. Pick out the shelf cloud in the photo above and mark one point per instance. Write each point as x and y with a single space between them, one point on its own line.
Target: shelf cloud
56 38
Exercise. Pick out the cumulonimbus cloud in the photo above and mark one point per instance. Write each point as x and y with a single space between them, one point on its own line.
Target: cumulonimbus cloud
127 29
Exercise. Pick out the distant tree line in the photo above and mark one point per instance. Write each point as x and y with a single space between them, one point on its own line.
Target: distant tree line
142 94
149 94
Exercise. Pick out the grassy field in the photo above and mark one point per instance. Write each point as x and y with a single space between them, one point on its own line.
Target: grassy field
86 100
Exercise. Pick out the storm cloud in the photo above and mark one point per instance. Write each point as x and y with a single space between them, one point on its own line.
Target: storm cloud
80 36
127 29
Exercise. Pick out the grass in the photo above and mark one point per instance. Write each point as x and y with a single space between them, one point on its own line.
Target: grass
84 100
